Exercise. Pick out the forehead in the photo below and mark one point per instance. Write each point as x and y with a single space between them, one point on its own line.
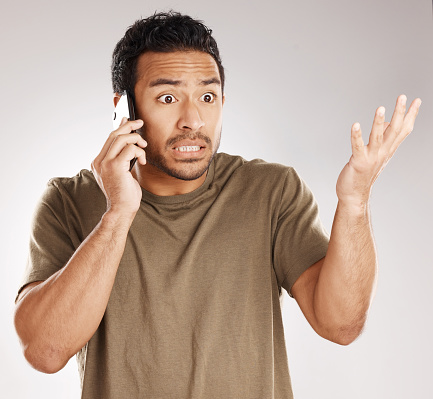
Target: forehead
178 65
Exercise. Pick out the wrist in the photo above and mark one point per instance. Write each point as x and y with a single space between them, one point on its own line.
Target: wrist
354 207
115 218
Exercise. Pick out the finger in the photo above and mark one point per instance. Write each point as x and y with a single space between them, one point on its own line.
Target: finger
408 124
409 119
129 126
142 159
128 153
124 128
376 135
356 140
396 121
122 141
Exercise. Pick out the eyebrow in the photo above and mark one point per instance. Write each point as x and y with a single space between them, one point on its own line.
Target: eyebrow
171 82
210 81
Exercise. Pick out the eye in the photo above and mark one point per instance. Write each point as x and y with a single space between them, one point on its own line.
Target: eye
208 97
167 99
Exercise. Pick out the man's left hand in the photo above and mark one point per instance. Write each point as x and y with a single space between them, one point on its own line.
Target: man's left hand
367 161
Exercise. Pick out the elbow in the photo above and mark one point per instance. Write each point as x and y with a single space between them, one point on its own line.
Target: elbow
342 334
40 355
347 334
345 339
46 361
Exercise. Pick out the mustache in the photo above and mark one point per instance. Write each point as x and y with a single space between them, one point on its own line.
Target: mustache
188 135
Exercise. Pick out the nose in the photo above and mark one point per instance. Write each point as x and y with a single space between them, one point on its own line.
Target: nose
190 118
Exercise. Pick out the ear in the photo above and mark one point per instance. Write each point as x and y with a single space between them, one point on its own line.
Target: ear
224 98
116 98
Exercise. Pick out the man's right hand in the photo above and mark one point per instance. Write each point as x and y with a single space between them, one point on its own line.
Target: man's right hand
111 167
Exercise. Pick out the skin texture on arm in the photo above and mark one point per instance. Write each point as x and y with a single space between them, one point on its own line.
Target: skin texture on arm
335 293
54 319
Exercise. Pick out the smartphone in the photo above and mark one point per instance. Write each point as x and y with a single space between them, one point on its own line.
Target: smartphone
124 108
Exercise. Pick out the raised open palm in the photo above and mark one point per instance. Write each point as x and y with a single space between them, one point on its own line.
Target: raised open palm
367 161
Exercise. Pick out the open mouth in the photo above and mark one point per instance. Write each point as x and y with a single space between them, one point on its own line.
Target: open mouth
188 148
189 152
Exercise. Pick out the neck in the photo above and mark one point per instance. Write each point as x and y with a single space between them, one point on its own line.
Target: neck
159 183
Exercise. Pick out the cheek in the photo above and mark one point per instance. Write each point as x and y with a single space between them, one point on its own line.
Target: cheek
216 121
154 116
158 125
212 116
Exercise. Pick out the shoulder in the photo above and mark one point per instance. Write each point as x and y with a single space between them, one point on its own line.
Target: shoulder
275 188
84 181
256 169
78 196
80 188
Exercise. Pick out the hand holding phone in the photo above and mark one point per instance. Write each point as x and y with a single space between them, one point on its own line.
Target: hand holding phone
124 108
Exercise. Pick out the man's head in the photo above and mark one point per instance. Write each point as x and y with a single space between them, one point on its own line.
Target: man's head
160 33
170 65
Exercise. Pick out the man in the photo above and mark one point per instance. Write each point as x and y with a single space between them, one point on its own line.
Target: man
166 279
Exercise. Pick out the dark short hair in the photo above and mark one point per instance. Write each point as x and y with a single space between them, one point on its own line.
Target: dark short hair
163 33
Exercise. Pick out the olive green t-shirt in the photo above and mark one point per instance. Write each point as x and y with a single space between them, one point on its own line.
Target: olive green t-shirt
194 311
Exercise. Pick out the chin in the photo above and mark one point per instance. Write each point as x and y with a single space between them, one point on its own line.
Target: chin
188 169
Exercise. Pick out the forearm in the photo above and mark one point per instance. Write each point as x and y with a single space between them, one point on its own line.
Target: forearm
55 319
347 279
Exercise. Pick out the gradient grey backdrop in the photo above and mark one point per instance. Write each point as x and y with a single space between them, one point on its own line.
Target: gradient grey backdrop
299 73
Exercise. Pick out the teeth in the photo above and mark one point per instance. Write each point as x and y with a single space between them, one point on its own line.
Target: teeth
188 148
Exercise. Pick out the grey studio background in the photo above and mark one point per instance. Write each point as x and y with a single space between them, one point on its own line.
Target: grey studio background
299 73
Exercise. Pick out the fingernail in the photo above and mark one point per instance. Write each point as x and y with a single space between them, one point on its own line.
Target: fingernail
403 99
381 111
356 126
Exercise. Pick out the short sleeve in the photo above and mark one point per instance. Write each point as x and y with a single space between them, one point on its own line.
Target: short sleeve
50 244
300 239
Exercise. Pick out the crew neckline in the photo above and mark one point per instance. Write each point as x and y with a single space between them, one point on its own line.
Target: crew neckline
176 199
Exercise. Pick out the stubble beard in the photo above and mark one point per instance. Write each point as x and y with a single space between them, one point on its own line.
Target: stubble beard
189 169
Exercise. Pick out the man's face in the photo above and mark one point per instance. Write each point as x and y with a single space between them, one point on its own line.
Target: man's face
178 96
